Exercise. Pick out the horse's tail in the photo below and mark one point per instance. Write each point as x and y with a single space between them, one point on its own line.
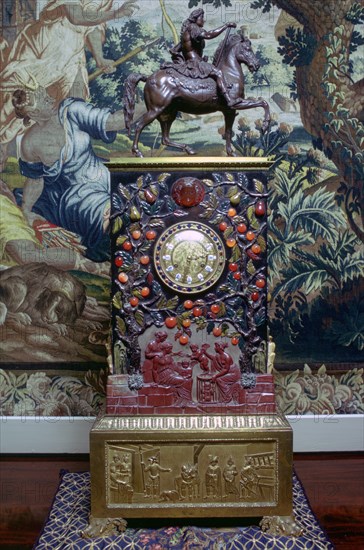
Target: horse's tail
129 97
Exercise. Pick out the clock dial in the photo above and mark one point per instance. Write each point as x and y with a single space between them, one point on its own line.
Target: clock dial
189 257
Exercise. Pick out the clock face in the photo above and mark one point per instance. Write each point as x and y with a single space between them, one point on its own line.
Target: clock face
189 257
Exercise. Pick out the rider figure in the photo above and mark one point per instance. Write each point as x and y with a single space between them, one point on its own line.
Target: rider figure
188 54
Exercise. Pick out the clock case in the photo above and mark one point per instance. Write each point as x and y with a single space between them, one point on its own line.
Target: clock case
178 435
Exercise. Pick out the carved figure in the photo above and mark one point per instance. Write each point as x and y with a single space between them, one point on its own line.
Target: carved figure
229 474
155 350
120 478
167 373
188 483
248 480
213 479
191 86
169 496
271 354
188 54
226 374
198 356
152 484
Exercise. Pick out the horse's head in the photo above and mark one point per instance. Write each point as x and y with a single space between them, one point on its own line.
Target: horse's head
246 55
236 48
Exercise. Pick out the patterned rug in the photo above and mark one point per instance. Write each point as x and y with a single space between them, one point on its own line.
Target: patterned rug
68 517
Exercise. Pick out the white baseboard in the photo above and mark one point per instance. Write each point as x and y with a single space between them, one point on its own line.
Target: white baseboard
27 435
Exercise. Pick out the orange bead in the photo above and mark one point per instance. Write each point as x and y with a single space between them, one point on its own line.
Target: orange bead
215 308
231 212
127 245
235 340
197 311
183 339
136 234
170 322
134 301
151 234
188 304
230 242
216 331
186 323
144 260
123 277
145 291
241 228
260 283
223 226
250 235
256 249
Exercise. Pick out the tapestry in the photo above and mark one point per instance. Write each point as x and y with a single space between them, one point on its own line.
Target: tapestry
64 68
68 518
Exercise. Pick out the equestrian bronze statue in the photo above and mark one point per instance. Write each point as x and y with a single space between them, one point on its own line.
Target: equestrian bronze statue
191 84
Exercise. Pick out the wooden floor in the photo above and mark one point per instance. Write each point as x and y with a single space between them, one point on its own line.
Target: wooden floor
334 484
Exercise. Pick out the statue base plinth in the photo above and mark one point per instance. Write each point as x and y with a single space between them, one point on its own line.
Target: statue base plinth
191 466
154 398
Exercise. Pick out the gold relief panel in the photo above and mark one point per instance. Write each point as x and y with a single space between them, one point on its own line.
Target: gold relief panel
196 474
191 466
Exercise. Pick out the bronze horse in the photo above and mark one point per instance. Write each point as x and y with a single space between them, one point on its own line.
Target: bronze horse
166 92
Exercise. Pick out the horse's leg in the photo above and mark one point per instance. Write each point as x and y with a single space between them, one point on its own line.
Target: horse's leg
144 120
253 104
229 121
166 122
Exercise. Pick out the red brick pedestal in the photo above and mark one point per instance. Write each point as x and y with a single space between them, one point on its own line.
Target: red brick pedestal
157 399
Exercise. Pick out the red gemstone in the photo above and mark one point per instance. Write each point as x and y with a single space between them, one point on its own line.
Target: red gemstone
255 296
260 208
260 283
188 192
170 322
151 234
241 228
127 245
149 196
118 261
197 311
233 266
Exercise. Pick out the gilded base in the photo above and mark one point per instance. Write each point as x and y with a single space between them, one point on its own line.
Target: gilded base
281 526
191 466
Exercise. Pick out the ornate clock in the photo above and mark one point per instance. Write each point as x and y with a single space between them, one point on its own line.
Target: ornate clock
189 257
189 396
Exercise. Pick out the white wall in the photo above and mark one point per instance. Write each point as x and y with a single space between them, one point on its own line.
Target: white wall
71 434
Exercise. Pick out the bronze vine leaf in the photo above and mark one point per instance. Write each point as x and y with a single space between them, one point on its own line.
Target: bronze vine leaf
117 224
117 301
139 317
120 323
